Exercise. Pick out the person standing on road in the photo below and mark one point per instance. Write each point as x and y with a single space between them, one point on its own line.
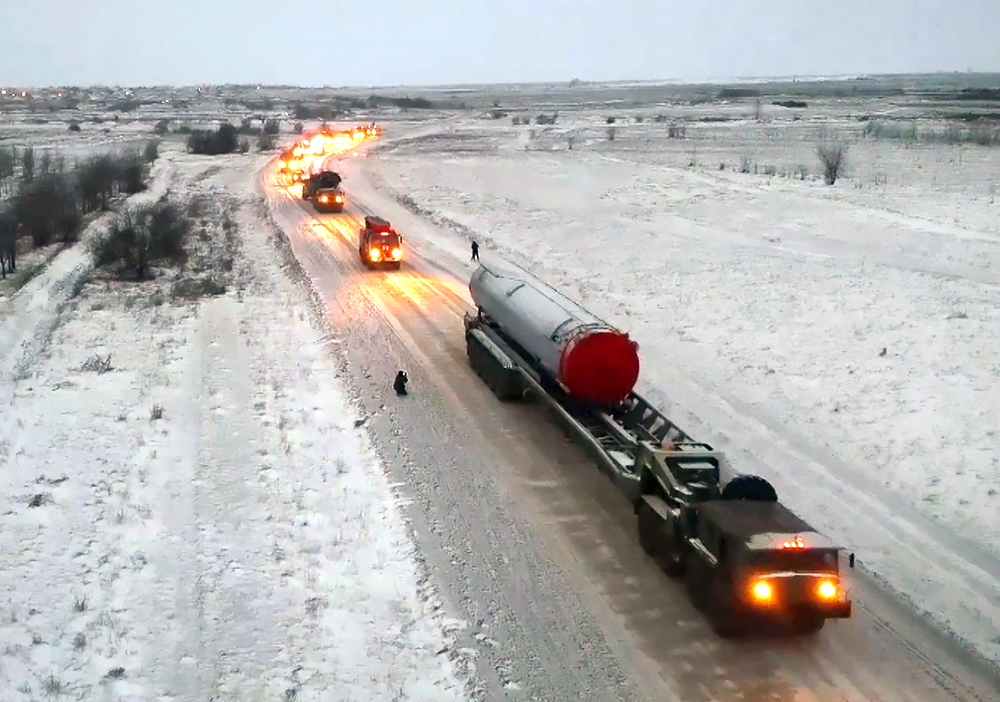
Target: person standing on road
475 251
399 385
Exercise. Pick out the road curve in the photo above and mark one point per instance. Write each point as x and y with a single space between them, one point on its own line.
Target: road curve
531 545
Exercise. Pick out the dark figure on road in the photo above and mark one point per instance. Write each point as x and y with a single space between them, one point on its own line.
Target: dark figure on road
475 251
399 385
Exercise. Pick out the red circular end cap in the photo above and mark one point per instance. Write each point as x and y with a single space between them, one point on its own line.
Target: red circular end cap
601 367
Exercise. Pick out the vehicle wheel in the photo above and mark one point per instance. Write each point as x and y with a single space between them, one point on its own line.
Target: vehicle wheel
649 533
724 621
396 266
697 589
672 549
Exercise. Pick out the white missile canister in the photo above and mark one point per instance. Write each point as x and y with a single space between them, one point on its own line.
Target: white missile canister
593 361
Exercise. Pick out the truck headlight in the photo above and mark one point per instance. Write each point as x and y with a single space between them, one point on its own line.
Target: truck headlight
396 254
375 254
762 591
827 590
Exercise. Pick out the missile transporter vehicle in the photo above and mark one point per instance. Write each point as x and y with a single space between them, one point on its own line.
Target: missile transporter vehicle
379 244
747 561
323 189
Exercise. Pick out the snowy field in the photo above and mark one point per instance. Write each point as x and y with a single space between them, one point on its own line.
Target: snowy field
202 517
856 324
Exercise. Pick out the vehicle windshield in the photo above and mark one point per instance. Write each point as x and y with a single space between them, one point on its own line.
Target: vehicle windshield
794 560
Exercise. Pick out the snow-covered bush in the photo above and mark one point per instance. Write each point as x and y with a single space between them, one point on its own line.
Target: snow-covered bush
140 235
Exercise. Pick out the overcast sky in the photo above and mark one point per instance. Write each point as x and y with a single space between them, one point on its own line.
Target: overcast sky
423 42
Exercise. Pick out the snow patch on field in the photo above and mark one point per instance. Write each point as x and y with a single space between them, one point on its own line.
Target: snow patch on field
201 518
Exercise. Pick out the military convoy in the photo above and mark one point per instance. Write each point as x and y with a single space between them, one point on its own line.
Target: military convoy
746 560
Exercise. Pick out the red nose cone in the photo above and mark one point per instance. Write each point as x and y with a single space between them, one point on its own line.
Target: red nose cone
602 367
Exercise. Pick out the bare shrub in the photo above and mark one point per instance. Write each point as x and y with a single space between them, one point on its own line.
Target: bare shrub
8 242
152 150
833 158
6 162
610 120
265 142
28 165
141 235
223 141
98 177
74 126
298 127
272 127
162 126
96 364
133 174
156 412
49 209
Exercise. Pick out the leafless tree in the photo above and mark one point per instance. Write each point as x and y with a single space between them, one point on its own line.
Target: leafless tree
833 158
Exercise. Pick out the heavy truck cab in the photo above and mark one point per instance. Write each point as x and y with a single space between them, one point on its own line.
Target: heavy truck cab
329 200
380 244
324 180
746 560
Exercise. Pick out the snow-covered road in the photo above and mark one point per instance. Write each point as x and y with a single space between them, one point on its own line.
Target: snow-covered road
529 542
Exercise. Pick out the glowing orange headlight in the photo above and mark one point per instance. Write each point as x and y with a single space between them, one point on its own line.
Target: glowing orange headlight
762 591
827 590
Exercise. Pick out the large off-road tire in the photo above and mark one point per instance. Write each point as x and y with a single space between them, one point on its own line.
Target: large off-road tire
695 584
649 530
749 487
725 622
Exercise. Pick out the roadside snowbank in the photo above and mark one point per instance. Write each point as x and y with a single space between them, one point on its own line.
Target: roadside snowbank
204 520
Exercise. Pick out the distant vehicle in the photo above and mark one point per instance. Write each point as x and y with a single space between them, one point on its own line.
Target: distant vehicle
319 181
287 162
329 200
380 244
746 560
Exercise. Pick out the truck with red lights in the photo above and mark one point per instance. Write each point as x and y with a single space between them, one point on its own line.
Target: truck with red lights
746 559
379 244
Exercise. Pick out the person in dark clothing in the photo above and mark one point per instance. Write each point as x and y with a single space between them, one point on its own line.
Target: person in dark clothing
475 251
399 385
